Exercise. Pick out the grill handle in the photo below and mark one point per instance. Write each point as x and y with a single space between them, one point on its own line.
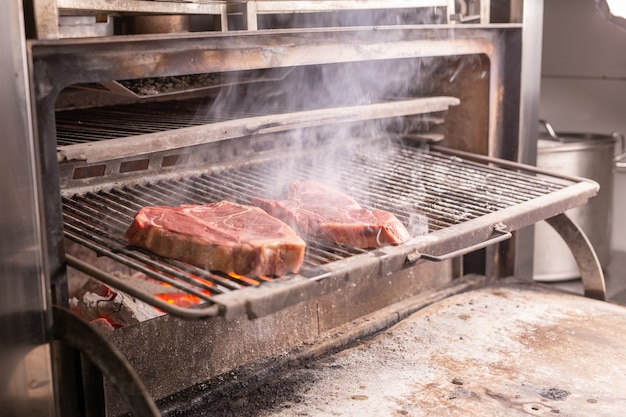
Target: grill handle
501 235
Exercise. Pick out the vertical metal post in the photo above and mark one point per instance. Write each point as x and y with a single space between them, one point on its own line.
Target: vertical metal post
532 38
26 387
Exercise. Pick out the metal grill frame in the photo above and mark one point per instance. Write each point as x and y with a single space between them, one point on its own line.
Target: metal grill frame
448 240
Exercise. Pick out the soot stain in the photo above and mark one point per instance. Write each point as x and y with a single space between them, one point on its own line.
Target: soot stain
554 394
249 401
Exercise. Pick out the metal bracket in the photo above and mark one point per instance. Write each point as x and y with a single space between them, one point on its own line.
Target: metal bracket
584 254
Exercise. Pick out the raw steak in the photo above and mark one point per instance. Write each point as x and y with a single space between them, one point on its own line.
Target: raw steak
220 236
315 209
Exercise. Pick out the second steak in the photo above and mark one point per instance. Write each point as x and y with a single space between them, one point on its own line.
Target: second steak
314 209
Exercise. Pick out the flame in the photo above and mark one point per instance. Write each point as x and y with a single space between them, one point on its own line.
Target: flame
243 278
179 299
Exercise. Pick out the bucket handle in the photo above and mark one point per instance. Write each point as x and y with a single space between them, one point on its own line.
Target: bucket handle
620 159
553 135
550 130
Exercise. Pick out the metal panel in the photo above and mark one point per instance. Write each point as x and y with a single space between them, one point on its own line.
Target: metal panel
26 387
529 115
253 8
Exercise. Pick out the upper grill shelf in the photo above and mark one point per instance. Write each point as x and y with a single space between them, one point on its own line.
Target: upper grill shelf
126 143
130 134
446 201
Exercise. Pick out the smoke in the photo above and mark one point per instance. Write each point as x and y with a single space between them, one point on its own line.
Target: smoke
332 86
338 85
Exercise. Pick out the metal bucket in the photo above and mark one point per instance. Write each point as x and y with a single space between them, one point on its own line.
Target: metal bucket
584 155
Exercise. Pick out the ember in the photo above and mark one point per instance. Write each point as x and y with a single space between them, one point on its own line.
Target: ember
110 309
179 299
243 278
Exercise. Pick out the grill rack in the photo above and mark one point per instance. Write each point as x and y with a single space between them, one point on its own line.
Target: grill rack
457 197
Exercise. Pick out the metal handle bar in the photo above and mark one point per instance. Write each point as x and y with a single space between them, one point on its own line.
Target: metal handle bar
502 236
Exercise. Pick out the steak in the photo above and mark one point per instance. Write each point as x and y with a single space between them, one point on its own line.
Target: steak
314 209
220 236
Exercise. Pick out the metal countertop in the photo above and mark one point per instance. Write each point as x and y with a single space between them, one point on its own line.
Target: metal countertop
509 349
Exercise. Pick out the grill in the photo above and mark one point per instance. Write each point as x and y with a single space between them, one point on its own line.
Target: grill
431 192
224 111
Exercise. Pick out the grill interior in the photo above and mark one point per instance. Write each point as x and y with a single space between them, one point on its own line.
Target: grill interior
427 190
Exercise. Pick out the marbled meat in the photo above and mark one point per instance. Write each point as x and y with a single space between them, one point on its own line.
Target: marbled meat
220 236
314 209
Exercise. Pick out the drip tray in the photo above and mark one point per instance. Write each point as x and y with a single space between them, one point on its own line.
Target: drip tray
452 203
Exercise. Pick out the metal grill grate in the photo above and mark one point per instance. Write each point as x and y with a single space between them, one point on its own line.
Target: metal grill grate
97 124
420 187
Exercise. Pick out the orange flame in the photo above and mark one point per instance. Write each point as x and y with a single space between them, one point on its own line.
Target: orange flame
179 299
243 278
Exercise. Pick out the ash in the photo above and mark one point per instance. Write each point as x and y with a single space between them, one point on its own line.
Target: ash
242 399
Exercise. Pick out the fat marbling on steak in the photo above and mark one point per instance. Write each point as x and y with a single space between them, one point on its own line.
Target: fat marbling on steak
220 236
314 209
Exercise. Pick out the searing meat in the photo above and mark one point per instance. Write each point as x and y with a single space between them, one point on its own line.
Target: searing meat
220 236
314 209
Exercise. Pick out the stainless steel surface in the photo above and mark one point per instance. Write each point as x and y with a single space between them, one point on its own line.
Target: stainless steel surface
585 155
614 277
545 354
531 13
85 26
620 158
246 13
620 163
26 379
252 9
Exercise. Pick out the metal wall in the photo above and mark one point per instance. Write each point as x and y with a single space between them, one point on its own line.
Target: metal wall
26 387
